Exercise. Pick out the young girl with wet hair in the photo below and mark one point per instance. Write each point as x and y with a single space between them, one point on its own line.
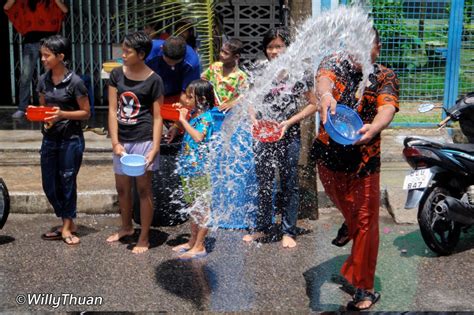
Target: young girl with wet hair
193 163
63 141
135 127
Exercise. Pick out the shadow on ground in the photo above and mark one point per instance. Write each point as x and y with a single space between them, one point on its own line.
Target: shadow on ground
157 238
5 239
412 244
328 272
190 280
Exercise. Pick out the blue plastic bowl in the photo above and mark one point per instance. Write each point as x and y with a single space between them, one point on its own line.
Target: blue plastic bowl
133 164
343 126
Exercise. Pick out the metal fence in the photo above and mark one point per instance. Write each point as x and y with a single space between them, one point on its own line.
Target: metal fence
430 45
466 78
414 44
94 28
416 36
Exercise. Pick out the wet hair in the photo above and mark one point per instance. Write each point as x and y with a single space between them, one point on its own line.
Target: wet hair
234 45
174 48
203 93
139 41
32 4
277 32
377 36
58 44
187 25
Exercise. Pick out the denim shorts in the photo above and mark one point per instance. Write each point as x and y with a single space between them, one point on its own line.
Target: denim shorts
141 148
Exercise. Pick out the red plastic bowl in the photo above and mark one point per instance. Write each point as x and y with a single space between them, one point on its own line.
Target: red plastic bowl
168 112
38 113
266 131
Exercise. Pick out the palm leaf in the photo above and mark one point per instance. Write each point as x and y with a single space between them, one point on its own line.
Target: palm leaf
170 12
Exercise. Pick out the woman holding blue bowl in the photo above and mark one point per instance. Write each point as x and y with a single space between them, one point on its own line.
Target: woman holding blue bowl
350 174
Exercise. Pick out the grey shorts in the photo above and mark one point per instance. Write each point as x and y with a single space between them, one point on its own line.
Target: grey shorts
141 148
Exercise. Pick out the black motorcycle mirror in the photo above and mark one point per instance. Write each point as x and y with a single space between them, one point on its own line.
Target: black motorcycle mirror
4 203
423 108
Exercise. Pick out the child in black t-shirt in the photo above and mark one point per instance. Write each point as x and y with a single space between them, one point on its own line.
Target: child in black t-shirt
63 142
135 127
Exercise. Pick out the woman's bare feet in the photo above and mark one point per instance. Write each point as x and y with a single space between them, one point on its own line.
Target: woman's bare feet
141 247
120 234
181 248
253 237
288 241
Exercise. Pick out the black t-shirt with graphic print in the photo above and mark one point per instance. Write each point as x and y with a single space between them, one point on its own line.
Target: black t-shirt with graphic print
135 105
63 95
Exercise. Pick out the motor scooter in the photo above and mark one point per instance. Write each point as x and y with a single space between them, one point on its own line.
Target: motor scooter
4 203
441 183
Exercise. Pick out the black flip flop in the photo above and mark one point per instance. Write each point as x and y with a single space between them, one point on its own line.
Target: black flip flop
52 236
342 233
363 295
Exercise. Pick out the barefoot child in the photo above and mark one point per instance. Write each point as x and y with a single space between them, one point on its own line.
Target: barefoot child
135 127
192 164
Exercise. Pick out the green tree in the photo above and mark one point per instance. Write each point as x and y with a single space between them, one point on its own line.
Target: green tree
169 12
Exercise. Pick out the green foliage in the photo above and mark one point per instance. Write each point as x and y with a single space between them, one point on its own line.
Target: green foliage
170 12
388 19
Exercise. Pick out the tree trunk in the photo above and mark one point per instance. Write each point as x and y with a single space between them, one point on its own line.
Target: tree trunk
300 10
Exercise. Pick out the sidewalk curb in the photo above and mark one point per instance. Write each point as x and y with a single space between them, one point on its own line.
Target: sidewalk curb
106 202
88 202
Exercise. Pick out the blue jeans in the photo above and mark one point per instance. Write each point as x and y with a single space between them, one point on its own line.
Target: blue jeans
30 57
281 157
60 163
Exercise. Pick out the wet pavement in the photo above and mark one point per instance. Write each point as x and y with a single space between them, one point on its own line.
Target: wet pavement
233 277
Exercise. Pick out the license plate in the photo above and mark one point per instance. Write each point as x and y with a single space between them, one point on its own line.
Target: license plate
417 179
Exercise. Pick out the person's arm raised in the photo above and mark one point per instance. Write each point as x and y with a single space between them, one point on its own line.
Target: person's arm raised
196 135
62 6
8 5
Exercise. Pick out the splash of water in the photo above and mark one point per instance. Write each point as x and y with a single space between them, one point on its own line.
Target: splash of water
345 30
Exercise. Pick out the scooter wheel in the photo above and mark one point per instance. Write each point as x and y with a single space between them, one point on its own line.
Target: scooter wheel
440 233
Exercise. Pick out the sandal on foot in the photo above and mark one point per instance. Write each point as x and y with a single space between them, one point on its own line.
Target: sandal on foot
188 256
54 235
360 296
69 240
342 237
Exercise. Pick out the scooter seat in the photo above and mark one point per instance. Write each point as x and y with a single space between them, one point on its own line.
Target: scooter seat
464 147
422 141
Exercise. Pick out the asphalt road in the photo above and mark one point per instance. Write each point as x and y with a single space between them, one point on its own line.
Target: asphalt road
233 277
